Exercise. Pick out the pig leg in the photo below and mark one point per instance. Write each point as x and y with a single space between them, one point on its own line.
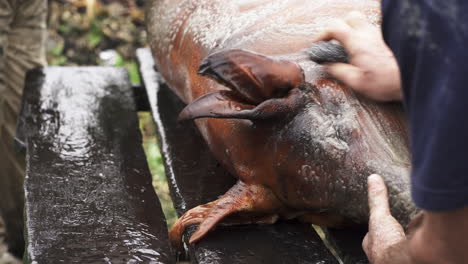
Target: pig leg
240 199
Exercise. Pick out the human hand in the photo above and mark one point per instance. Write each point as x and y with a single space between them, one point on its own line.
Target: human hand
385 233
372 70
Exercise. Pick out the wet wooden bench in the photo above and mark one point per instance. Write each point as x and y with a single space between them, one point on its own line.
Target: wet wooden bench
195 178
89 197
88 188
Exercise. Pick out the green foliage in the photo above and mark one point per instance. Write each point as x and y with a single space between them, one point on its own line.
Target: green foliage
95 35
80 32
64 29
156 165
59 61
132 68
155 159
57 49
133 71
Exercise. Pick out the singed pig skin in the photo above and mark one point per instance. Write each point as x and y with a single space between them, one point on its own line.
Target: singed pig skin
302 145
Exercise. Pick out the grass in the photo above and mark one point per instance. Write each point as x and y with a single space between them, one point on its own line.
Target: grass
156 166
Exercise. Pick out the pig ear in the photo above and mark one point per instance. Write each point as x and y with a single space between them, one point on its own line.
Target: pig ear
225 104
252 76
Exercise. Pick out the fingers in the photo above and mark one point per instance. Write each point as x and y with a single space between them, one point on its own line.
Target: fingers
356 20
338 30
384 230
341 30
366 244
378 197
381 221
348 74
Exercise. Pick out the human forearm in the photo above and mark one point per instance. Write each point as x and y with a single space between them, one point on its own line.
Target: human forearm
440 237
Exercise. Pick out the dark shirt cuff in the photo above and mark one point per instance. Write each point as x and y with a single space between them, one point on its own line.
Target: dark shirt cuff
431 200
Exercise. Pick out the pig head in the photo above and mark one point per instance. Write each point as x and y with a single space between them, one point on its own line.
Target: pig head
301 144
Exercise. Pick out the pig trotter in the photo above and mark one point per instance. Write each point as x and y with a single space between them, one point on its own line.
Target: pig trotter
191 217
242 203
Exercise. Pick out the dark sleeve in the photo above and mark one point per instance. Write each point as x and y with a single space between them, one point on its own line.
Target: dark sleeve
430 41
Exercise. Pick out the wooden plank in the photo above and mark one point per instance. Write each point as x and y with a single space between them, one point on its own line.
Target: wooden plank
89 197
348 244
195 178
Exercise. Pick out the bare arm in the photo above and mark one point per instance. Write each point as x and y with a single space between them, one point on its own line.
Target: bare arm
434 237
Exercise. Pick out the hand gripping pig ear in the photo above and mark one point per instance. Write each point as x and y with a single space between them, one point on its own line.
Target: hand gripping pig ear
260 87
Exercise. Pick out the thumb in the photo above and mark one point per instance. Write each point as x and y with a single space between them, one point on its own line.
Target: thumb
348 74
378 196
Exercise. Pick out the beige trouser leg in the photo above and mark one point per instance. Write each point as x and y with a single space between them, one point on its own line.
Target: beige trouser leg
22 37
2 237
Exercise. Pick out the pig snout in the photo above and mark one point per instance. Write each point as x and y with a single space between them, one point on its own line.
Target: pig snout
260 87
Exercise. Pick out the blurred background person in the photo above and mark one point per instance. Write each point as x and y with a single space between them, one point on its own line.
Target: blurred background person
22 47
